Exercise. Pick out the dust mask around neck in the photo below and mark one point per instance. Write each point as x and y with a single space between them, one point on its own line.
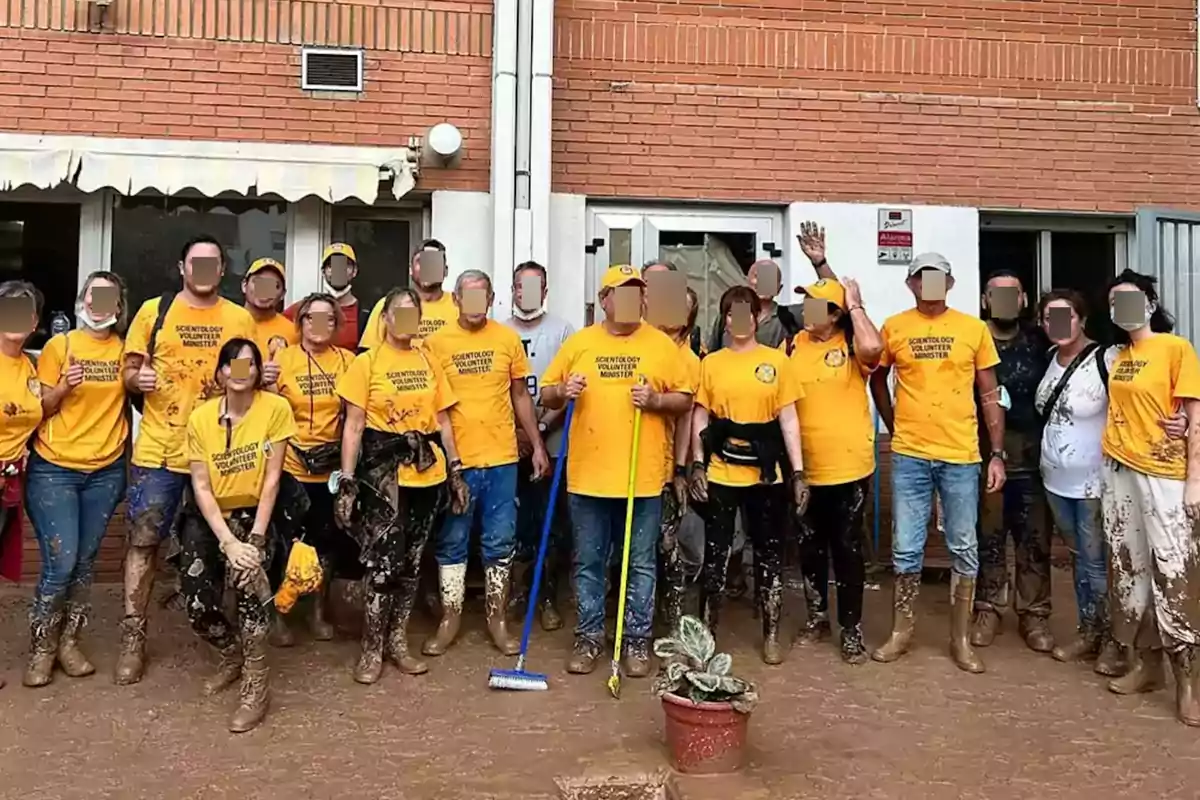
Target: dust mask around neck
338 293
88 321
528 316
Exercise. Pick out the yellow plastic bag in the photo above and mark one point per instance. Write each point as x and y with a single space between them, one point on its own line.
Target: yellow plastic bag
303 576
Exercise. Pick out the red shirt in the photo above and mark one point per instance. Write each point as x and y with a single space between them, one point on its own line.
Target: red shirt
347 335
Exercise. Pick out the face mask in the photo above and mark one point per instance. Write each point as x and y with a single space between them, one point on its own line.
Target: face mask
86 320
339 293
1137 324
528 316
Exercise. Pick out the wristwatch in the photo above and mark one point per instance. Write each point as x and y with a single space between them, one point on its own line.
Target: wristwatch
1000 454
542 428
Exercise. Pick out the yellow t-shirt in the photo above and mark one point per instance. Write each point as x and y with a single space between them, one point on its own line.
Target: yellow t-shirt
236 456
90 428
1146 384
185 357
745 387
601 437
434 316
935 360
20 405
309 384
691 367
401 391
836 431
277 326
481 366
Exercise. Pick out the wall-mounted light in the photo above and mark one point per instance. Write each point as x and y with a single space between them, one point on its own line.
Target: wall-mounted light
443 146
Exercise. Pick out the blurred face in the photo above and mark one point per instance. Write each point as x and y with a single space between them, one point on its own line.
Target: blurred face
1061 323
741 322
318 323
202 269
529 290
1004 299
339 272
240 375
17 320
820 317
473 299
1129 306
764 278
102 299
428 268
402 319
624 305
930 286
263 289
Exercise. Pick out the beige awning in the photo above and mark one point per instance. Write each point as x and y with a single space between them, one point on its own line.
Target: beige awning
129 166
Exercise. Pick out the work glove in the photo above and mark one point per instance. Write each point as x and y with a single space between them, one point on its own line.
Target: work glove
343 504
800 492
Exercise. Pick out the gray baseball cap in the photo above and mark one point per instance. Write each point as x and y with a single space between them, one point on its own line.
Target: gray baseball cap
929 261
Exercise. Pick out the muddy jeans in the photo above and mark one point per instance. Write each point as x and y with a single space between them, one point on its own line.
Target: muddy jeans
1155 564
69 511
334 546
1017 513
1081 523
764 509
598 524
833 526
202 573
914 481
494 502
393 563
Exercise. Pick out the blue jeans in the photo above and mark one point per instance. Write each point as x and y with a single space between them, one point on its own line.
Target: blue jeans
599 527
494 500
1081 523
69 511
154 495
913 483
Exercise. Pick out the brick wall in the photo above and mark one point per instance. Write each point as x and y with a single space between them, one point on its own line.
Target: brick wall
1055 104
229 70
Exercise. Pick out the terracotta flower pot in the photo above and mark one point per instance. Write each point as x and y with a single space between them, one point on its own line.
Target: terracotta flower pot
704 738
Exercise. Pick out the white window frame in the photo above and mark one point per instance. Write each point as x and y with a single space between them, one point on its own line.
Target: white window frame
1047 224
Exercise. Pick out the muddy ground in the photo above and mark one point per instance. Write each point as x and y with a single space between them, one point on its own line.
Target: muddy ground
1030 727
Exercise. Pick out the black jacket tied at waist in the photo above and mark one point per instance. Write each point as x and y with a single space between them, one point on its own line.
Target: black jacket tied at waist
409 449
761 445
377 506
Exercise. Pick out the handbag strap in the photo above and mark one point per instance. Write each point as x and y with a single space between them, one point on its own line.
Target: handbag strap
1052 400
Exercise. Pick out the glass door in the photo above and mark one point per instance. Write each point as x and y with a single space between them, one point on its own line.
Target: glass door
384 240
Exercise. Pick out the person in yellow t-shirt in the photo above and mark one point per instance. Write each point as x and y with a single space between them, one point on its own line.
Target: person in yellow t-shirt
940 356
308 376
172 380
676 559
610 370
76 474
747 457
832 359
1151 494
263 288
427 270
398 451
236 444
485 363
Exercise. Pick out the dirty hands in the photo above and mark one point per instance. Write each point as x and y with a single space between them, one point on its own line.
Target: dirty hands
541 461
996 475
244 559
1175 425
147 378
343 504
812 241
800 492
270 372
460 493
679 488
699 482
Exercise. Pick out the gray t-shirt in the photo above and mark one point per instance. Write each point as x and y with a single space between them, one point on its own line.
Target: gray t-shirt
541 341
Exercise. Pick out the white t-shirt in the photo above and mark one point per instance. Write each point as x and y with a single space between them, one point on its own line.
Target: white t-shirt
541 344
1071 454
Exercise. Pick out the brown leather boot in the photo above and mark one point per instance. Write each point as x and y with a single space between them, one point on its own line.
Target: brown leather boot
1145 673
635 658
453 581
44 635
1112 661
255 695
962 603
1036 633
496 585
376 612
584 655
397 641
70 657
904 620
1184 663
229 669
985 626
131 660
1085 644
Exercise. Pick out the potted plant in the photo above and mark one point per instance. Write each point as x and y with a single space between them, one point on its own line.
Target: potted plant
707 708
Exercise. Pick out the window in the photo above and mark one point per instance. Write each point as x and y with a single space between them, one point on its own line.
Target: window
149 230
39 243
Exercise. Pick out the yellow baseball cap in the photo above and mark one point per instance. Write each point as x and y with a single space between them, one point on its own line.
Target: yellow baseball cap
830 291
620 275
339 249
266 263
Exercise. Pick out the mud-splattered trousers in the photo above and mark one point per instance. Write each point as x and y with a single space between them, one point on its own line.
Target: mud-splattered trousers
69 511
532 499
494 503
598 525
914 481
152 507
338 552
1155 563
672 571
1016 512
1080 521
833 528
764 510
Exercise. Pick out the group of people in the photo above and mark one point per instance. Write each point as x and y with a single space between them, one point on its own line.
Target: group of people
378 437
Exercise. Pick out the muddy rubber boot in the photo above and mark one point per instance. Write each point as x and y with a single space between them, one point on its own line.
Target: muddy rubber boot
496 585
815 629
397 640
229 669
774 648
904 618
72 660
1085 644
255 694
1111 662
549 618
131 660
376 611
1187 696
1036 633
453 581
985 627
281 633
854 651
710 609
44 635
318 619
1145 673
962 603
584 655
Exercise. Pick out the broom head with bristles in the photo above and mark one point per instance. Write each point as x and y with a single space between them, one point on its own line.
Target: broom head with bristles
518 680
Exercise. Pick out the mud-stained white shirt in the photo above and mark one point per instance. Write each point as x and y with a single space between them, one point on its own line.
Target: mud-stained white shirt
1071 455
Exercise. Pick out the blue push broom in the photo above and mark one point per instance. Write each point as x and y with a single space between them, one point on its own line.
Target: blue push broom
518 679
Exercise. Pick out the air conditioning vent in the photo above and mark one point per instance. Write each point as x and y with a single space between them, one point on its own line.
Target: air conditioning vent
327 70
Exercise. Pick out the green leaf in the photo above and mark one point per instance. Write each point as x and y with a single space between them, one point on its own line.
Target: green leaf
668 647
675 671
697 641
731 686
721 664
704 681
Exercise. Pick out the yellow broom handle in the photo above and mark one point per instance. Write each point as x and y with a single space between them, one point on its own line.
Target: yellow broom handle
637 434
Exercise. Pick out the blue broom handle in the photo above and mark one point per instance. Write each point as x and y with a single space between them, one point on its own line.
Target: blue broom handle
546 522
